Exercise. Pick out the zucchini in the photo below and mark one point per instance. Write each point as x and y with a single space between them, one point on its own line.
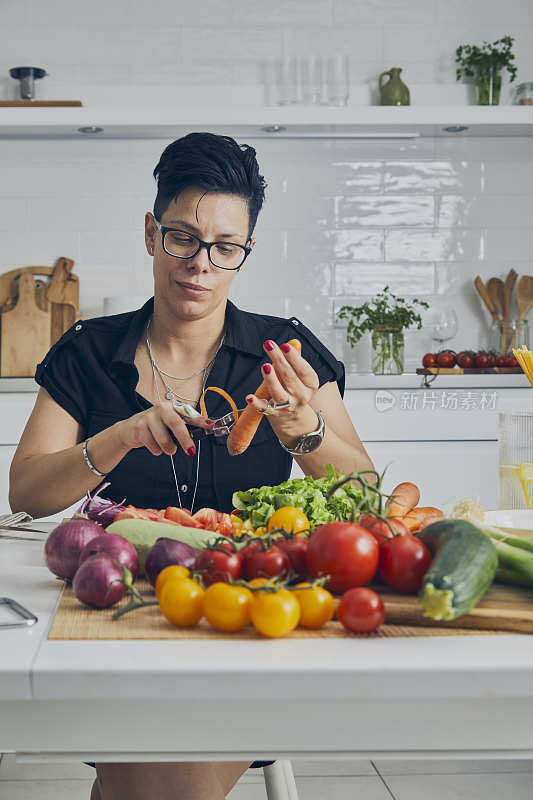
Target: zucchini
464 565
144 533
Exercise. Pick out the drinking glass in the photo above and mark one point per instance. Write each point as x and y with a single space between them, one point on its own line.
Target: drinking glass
287 81
516 459
443 324
338 81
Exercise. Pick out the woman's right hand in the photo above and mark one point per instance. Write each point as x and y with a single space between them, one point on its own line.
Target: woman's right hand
152 429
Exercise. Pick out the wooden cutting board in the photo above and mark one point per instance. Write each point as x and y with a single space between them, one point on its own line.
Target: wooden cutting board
504 608
25 332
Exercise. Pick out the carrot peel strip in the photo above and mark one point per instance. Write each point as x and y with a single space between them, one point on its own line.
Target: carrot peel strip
225 395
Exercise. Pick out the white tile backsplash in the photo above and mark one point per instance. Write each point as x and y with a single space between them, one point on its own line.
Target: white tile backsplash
342 217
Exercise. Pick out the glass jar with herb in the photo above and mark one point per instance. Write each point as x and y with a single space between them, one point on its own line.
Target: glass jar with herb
386 317
485 64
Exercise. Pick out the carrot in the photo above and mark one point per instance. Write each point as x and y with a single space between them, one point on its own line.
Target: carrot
418 518
244 429
402 499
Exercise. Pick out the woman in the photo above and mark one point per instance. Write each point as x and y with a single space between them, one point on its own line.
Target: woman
113 389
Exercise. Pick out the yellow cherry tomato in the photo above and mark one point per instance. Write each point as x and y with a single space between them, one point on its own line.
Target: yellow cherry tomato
261 531
274 614
227 607
317 605
289 519
182 602
255 582
170 573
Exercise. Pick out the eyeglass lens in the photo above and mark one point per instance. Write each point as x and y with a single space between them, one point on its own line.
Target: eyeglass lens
222 254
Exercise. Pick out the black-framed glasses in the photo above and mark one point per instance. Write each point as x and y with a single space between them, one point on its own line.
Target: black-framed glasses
181 244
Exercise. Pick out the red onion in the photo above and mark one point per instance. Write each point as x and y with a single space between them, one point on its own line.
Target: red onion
63 546
165 552
99 581
101 509
115 546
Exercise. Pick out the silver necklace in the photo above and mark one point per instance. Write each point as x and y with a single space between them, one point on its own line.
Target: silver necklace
170 395
198 445
175 377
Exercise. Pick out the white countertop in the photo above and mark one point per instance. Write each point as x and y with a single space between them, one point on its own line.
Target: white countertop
244 700
33 666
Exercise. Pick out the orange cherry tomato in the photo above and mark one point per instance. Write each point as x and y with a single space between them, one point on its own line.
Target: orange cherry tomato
170 573
182 602
227 607
317 605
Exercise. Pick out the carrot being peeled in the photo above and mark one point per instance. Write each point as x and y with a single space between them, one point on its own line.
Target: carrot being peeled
244 429
402 499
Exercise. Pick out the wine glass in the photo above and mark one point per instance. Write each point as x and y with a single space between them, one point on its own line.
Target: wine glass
443 324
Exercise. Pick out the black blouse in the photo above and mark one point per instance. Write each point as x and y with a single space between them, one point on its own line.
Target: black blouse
90 372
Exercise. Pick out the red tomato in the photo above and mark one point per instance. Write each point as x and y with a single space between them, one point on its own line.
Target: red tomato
511 361
446 359
403 562
482 360
429 360
346 552
296 548
501 361
465 360
492 359
181 516
361 610
379 528
259 563
218 565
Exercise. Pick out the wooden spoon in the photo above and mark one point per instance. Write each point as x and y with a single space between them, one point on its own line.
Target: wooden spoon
508 287
524 297
483 293
495 290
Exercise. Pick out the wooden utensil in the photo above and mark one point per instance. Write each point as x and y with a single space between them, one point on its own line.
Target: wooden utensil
63 292
508 287
495 290
483 293
524 299
25 332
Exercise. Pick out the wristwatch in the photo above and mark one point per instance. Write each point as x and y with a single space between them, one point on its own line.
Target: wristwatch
309 441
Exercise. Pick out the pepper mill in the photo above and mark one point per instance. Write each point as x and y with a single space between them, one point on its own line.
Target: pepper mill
394 92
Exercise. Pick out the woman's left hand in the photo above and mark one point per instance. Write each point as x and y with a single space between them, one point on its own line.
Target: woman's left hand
290 378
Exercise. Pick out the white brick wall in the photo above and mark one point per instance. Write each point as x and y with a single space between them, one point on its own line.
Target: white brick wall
341 219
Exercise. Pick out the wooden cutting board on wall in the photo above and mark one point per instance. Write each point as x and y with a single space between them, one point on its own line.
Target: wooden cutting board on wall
25 332
55 292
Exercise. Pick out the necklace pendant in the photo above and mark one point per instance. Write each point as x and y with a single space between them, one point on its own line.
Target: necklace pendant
169 395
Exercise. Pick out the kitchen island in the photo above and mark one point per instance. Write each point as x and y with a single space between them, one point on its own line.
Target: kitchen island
450 697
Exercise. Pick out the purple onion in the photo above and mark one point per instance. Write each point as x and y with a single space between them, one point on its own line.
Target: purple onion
166 552
100 509
98 581
115 546
64 544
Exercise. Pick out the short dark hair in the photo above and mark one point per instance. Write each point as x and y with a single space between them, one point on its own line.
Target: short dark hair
214 163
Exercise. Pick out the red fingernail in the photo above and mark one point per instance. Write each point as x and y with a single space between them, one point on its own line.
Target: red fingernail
269 344
266 369
249 399
285 348
192 450
210 421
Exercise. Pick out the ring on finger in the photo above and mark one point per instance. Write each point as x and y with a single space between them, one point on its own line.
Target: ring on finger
273 406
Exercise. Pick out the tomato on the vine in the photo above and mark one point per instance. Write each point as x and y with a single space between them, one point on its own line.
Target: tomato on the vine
296 548
266 563
429 360
182 602
465 359
361 610
226 607
218 564
381 529
482 360
403 562
347 552
275 613
289 519
317 605
171 573
446 359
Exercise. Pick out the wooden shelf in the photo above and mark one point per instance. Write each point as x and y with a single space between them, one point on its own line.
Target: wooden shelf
39 103
174 120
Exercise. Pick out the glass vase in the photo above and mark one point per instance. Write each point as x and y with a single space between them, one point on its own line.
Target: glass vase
387 351
488 87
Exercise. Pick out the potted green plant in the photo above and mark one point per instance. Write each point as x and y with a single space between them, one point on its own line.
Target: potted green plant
485 65
385 317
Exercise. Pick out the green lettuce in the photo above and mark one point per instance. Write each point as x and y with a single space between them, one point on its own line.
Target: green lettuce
308 494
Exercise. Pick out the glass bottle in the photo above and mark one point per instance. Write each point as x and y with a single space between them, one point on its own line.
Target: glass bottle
387 351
